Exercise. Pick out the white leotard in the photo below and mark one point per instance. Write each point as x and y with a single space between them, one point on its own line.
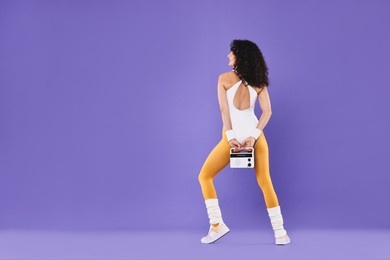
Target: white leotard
243 121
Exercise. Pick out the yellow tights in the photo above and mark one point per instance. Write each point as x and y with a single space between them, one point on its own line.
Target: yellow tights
219 157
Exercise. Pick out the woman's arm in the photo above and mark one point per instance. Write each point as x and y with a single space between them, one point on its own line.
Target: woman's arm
223 104
265 105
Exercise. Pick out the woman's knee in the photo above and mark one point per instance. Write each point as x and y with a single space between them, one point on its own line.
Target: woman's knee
204 177
264 182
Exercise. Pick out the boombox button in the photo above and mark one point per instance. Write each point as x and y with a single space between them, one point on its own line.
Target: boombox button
249 159
249 165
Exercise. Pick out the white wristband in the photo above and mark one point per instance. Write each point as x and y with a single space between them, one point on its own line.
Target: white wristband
229 134
255 133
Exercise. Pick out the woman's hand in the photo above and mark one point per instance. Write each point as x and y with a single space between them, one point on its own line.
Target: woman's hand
249 142
235 144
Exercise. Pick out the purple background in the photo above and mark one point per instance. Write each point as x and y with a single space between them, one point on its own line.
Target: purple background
108 110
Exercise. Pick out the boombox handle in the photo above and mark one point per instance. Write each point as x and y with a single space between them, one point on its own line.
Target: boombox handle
250 147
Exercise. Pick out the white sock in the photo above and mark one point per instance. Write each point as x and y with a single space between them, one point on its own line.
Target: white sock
276 218
213 211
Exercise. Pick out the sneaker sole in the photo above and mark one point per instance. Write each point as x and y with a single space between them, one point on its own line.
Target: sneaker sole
282 243
215 239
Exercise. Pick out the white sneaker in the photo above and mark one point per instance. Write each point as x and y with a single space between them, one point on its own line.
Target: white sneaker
215 233
284 240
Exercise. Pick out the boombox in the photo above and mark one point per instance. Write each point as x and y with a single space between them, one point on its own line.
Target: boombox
242 159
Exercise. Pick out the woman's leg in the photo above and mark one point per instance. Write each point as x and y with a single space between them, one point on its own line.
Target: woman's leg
218 158
263 173
271 200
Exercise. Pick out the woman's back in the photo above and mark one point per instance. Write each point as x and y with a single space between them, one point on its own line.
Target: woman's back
242 100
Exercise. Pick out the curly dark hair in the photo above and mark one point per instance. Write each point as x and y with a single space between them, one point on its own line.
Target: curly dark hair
250 64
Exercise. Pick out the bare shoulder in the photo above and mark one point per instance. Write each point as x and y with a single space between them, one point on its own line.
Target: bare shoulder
228 79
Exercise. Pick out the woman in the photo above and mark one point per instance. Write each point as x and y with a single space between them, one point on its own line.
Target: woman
237 93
